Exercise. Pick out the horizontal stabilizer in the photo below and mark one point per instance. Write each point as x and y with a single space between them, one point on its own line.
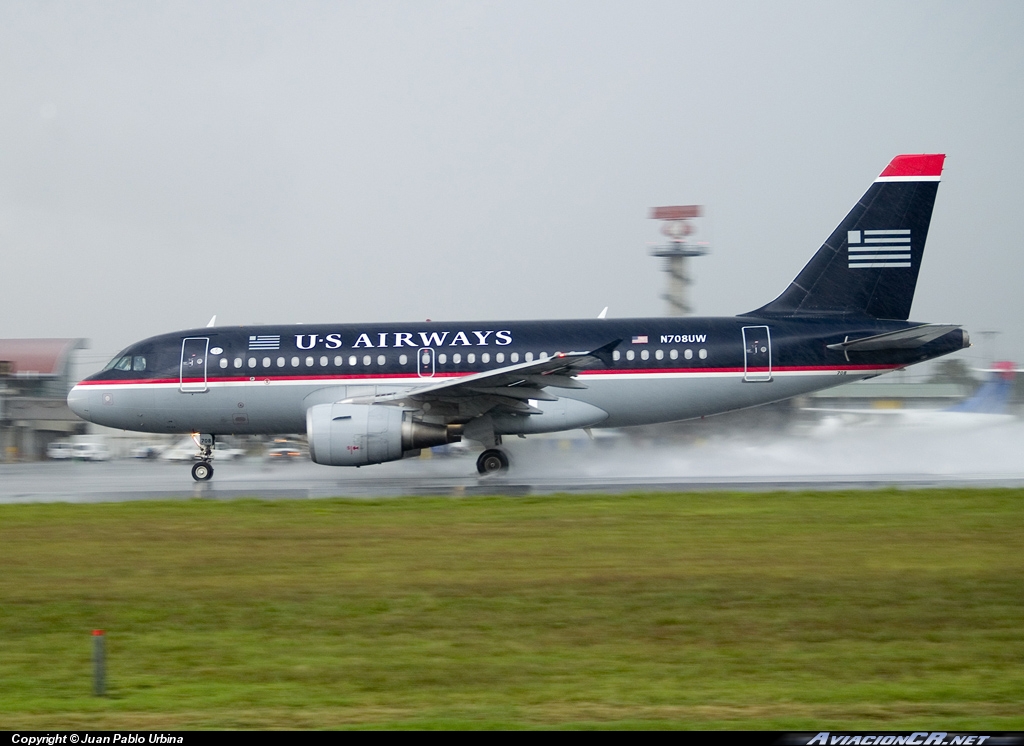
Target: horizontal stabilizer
904 339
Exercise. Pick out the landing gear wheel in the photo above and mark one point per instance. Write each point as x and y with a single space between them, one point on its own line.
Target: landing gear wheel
492 461
202 471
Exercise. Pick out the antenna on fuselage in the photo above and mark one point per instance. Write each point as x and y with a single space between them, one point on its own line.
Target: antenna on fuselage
603 313
213 321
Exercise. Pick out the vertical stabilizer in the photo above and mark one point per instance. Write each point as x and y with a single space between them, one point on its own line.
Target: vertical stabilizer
993 396
870 263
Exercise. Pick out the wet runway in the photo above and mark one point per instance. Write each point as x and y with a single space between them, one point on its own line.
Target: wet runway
857 458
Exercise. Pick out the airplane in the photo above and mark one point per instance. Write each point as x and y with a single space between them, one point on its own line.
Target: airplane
376 392
988 405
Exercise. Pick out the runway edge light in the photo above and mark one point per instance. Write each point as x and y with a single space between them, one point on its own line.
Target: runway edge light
99 663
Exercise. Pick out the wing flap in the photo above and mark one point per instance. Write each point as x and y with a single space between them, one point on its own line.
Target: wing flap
516 392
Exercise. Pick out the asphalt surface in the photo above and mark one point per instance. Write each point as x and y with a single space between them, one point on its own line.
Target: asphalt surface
861 458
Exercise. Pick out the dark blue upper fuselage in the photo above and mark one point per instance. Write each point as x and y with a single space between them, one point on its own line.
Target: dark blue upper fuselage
372 350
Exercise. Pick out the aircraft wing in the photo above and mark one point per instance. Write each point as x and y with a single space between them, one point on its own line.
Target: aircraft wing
915 336
507 389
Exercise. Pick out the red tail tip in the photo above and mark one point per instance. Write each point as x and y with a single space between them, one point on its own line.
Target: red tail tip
923 164
1005 369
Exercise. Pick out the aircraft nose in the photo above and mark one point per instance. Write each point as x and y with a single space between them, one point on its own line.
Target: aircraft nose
78 402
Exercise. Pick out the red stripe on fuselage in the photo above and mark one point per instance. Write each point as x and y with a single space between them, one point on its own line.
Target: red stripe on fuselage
412 377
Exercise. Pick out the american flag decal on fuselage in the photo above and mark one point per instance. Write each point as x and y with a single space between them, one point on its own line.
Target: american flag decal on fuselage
877 248
265 342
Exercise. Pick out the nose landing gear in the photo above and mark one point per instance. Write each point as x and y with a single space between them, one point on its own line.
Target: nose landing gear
492 461
202 471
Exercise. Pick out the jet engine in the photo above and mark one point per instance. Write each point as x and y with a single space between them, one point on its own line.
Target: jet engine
359 434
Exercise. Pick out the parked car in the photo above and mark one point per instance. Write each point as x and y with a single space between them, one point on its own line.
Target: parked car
59 450
224 452
148 451
284 450
91 452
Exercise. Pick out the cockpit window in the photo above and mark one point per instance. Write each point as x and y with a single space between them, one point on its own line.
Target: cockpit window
120 363
127 362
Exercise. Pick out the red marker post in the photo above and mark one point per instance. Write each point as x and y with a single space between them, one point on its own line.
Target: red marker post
99 664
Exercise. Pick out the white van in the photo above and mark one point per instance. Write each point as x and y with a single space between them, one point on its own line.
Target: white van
91 452
59 450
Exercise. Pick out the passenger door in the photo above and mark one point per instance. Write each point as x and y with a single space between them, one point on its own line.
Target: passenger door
194 351
757 353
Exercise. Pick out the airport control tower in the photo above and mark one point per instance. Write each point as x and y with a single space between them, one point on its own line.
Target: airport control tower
678 229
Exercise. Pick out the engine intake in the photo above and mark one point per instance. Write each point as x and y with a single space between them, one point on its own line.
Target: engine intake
360 434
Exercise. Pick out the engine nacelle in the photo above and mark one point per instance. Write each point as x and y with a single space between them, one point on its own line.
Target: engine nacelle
360 434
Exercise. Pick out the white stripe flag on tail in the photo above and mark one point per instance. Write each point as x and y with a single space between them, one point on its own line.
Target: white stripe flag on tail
878 248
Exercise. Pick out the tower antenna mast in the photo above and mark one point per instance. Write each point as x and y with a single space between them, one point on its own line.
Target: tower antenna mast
676 226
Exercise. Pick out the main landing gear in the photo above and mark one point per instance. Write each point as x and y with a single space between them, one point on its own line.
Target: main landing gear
492 461
202 470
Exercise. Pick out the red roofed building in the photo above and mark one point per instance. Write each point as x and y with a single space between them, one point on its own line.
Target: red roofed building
35 377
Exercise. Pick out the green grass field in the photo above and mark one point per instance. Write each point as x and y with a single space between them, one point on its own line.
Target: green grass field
896 609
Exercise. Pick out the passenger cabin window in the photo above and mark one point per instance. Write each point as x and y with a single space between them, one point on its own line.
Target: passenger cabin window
616 355
223 362
381 360
403 359
674 354
238 362
703 354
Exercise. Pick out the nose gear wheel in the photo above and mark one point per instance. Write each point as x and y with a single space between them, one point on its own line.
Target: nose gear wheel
202 471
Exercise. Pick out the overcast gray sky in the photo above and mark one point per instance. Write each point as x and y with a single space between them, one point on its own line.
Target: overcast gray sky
362 161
